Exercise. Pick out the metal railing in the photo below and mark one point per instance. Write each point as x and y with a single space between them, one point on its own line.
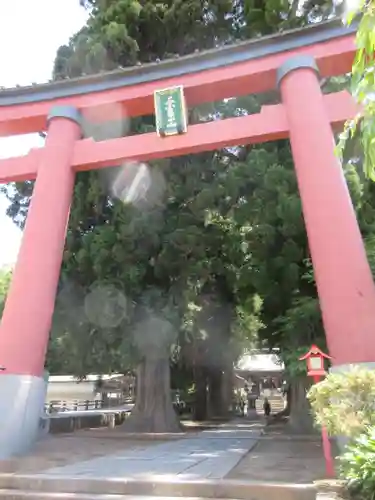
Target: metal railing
58 406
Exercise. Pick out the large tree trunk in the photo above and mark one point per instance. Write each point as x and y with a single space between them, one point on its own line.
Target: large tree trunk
216 394
227 388
300 419
153 410
200 403
288 405
214 318
286 411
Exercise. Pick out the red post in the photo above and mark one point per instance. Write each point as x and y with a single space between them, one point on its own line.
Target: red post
315 359
343 277
330 468
29 307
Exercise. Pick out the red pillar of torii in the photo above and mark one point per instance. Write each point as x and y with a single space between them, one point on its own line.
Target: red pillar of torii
342 272
290 61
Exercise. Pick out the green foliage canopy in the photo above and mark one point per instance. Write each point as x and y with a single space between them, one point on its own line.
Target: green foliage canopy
362 127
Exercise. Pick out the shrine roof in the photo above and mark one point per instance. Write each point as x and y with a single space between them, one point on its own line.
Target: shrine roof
179 66
260 363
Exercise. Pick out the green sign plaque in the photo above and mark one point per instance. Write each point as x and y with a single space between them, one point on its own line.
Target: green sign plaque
170 111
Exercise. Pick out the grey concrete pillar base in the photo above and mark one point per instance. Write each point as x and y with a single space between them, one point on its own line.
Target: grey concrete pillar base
22 418
342 441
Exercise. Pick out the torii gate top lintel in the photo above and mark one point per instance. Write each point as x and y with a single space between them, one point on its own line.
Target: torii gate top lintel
234 70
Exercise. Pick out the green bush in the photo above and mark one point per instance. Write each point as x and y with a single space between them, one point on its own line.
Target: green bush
358 466
345 402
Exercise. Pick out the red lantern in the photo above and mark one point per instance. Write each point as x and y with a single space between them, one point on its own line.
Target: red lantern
315 361
315 368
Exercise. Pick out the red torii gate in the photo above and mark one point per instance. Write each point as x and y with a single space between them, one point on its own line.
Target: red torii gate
292 61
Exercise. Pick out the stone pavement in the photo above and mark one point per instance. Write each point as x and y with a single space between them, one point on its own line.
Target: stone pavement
210 454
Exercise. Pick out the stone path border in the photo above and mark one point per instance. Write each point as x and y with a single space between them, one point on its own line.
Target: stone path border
64 487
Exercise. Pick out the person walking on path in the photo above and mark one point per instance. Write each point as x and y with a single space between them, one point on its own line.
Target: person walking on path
266 407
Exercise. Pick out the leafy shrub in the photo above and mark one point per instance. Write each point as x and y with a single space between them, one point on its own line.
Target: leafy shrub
358 466
345 402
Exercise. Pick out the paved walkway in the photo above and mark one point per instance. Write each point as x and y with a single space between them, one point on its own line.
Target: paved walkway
209 455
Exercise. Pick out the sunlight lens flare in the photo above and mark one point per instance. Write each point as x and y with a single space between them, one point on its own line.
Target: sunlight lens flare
106 122
105 306
139 185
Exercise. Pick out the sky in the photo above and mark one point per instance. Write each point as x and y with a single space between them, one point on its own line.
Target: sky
31 31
